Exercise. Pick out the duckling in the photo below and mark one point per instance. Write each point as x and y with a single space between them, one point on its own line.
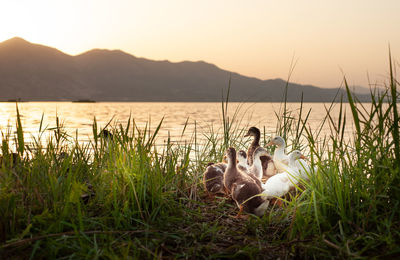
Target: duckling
279 154
213 178
232 173
242 161
243 188
280 184
254 131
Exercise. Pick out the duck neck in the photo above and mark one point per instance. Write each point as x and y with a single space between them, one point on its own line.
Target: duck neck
258 167
232 163
279 151
256 141
292 162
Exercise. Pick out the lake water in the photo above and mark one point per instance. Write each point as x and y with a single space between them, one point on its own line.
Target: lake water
202 116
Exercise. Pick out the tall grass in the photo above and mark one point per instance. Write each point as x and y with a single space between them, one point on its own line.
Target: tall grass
104 186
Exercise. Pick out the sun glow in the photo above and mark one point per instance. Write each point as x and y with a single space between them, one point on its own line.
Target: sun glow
55 23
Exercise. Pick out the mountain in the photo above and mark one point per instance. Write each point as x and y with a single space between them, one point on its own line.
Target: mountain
33 72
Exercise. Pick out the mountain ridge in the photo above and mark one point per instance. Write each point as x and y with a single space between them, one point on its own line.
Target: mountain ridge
34 72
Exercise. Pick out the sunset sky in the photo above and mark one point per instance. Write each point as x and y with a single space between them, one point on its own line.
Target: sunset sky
253 38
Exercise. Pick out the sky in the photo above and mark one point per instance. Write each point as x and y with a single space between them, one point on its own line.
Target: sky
324 39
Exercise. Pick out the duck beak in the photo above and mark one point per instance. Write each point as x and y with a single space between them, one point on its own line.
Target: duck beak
303 157
246 135
270 143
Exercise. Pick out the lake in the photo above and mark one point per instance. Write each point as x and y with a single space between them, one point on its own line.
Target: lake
202 116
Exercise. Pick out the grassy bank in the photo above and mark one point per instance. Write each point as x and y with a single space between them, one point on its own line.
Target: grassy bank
127 197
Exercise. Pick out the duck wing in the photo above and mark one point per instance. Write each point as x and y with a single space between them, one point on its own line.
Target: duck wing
277 186
245 193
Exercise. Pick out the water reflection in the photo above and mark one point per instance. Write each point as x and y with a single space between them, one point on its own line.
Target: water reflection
80 116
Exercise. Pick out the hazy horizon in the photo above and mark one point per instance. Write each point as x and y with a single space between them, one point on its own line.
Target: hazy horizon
257 39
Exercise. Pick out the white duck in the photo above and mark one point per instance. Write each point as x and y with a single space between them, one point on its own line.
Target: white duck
279 155
280 184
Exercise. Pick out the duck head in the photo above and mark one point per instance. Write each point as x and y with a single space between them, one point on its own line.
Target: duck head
253 131
296 154
231 155
278 141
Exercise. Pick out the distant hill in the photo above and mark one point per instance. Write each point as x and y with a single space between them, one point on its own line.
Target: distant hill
33 72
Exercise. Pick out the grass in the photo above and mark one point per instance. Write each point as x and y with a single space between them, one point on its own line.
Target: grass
127 198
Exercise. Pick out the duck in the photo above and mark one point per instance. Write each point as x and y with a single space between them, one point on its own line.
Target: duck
279 155
243 188
213 178
232 173
107 135
106 138
268 167
280 184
